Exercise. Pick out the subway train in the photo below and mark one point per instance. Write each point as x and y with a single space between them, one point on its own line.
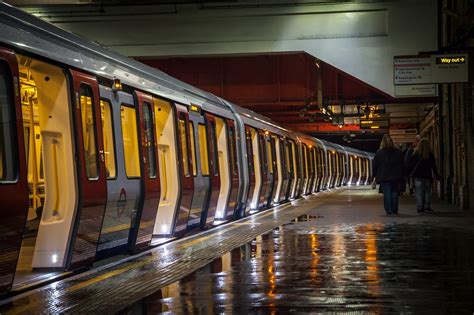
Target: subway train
100 155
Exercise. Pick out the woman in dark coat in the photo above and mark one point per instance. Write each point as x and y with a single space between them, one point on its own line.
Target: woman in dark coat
422 167
388 170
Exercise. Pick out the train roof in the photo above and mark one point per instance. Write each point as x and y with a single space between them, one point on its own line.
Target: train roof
254 119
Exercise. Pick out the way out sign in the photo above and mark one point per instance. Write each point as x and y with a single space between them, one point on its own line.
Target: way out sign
449 68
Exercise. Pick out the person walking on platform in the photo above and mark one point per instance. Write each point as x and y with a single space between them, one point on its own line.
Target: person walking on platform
388 169
421 165
408 154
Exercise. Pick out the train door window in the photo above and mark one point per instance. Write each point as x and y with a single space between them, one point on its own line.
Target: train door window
233 153
203 150
193 148
130 140
292 158
184 144
261 147
269 155
108 135
149 139
248 142
282 155
213 144
287 157
329 162
305 160
315 162
88 132
8 167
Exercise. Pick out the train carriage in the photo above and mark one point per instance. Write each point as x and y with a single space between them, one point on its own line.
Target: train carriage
100 154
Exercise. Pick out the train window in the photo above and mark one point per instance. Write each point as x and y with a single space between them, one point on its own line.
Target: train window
8 164
88 132
150 150
193 148
203 150
292 158
248 141
282 156
184 144
305 161
261 147
108 136
232 147
130 140
287 158
269 155
213 144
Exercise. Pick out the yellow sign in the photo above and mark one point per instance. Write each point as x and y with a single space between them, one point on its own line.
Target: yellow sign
450 60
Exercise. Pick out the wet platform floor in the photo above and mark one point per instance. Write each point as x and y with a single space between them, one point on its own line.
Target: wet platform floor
342 255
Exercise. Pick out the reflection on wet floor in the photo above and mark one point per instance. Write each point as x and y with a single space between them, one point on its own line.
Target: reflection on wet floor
374 268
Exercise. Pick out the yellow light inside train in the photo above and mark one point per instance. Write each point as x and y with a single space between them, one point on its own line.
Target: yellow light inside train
267 133
117 86
310 146
194 108
374 127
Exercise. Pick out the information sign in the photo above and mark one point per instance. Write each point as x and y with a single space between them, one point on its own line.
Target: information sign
412 70
418 90
374 124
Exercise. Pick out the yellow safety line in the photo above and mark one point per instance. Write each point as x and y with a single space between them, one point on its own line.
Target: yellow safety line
109 274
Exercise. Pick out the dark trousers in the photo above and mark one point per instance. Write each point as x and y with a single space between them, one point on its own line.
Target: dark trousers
390 197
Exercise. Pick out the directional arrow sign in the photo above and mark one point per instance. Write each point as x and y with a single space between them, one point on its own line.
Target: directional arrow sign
449 68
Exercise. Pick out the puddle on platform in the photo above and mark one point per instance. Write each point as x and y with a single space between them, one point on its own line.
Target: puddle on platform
360 268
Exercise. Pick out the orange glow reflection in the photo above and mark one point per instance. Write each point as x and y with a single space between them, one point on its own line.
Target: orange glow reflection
371 260
314 257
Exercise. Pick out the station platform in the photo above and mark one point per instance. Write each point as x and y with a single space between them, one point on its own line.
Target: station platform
333 251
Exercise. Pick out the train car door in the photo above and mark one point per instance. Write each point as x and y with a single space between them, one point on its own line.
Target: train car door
329 168
281 169
294 169
186 171
166 138
14 194
91 170
288 170
315 169
272 168
200 163
234 170
141 231
208 215
305 166
122 162
223 157
251 168
263 198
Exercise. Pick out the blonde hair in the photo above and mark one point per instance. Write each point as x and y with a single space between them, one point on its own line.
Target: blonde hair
387 143
423 149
